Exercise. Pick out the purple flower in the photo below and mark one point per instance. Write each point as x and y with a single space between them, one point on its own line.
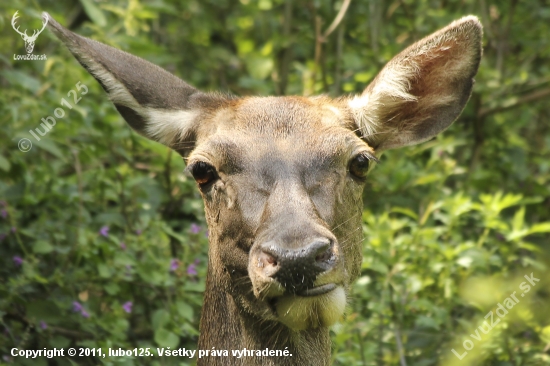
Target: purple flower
4 213
174 264
17 260
127 307
77 307
128 267
104 231
206 233
122 245
195 229
43 324
138 232
192 269
13 229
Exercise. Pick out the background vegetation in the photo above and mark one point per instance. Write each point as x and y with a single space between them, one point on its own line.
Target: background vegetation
103 241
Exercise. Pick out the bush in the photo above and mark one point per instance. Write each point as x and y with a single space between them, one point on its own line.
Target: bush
103 237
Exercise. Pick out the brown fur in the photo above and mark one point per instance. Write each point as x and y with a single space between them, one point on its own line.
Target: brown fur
282 164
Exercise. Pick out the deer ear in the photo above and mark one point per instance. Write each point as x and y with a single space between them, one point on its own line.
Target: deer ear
155 103
422 90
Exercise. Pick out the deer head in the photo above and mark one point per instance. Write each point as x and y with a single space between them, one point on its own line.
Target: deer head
282 177
29 40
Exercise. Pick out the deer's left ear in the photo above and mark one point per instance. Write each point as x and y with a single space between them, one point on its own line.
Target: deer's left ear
155 103
422 90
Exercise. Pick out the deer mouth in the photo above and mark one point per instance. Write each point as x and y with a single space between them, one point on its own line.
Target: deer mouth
319 306
316 291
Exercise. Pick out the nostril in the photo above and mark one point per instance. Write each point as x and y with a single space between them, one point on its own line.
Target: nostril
269 259
266 259
322 250
324 256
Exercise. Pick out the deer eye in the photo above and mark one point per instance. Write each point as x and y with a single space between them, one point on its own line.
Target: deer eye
203 173
359 165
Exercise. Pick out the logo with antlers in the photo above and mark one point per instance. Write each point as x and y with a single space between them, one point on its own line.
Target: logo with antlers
29 40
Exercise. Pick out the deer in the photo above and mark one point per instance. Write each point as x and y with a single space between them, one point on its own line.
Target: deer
29 40
282 181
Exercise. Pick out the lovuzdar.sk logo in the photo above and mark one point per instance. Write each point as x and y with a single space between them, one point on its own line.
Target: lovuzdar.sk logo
29 40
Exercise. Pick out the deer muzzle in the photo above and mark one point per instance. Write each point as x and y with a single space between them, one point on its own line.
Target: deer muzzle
304 285
297 269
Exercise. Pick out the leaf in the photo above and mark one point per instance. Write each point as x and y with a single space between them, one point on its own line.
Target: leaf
160 318
529 246
112 288
265 5
427 179
426 322
510 200
545 334
110 218
543 227
117 10
517 222
22 79
94 12
378 267
194 286
43 310
185 310
514 235
165 338
60 342
168 230
103 270
4 164
465 261
50 146
42 247
259 67
363 77
405 211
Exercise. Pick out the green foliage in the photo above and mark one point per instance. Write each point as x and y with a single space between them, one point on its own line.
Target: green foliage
103 241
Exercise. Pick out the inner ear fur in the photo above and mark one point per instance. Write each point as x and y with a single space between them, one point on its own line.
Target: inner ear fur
423 89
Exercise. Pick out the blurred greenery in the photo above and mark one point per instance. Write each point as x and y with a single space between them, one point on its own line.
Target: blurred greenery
103 240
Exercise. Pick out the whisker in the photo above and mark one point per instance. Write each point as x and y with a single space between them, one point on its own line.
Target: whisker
342 223
348 237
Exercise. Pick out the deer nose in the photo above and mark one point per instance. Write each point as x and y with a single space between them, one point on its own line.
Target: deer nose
297 269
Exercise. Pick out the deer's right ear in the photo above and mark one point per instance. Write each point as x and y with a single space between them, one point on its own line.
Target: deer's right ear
155 103
422 90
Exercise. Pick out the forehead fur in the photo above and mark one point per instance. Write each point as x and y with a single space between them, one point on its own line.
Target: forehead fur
311 126
285 116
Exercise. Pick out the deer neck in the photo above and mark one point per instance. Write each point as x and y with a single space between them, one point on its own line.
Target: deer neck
225 326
